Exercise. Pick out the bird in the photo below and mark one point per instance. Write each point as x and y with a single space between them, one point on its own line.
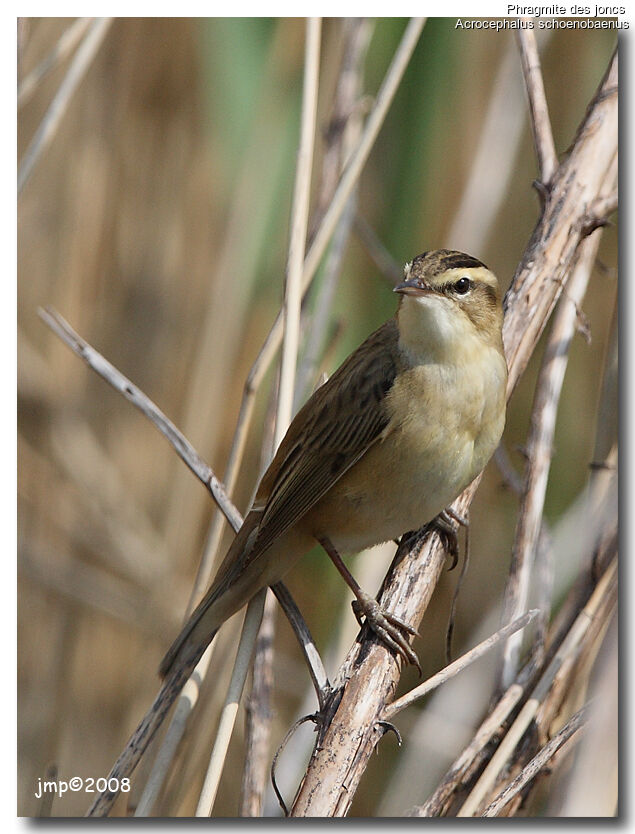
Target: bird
381 448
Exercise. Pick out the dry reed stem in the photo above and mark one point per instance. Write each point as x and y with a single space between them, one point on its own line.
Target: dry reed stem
490 727
299 223
169 745
564 221
258 715
48 127
564 658
255 768
471 760
67 41
540 760
229 712
342 135
144 404
540 122
539 446
222 333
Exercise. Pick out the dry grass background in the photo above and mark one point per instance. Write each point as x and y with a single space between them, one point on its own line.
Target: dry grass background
157 224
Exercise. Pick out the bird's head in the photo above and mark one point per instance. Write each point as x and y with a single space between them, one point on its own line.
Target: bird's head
449 298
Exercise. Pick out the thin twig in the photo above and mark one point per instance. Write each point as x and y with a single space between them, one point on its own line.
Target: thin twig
307 644
381 257
64 46
540 123
492 162
144 404
48 127
457 666
491 725
297 243
540 760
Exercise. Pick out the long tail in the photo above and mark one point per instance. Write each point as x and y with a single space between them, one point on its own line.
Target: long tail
189 638
230 590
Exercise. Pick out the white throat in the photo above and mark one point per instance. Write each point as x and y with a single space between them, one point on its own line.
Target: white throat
433 328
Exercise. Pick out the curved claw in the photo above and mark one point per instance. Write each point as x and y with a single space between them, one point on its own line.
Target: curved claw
389 727
442 523
387 627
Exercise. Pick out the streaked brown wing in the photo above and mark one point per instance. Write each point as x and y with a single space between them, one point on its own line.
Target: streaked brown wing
338 424
329 434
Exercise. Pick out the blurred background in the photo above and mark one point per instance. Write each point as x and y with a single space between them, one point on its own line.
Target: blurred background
157 223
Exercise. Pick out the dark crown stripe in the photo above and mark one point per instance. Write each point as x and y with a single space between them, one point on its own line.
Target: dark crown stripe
458 260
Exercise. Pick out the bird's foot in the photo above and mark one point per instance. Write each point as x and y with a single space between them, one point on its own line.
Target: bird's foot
388 628
443 525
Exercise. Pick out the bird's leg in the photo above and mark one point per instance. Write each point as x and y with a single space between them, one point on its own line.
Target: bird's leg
386 626
442 523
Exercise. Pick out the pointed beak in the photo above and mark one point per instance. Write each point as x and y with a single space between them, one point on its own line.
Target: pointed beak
415 287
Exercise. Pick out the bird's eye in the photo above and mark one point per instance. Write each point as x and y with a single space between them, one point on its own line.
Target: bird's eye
463 285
